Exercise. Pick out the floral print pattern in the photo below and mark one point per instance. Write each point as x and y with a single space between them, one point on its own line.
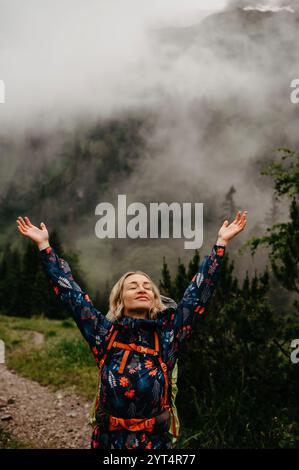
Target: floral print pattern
136 392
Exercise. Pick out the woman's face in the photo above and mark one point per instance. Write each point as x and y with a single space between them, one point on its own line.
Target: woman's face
138 295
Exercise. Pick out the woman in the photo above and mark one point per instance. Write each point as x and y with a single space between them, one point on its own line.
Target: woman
174 424
135 348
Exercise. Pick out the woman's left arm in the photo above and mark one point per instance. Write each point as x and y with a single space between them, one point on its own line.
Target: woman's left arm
200 290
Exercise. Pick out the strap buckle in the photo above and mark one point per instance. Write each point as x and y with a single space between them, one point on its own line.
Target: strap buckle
149 423
114 421
101 363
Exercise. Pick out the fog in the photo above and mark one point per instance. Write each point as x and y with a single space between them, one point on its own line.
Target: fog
220 93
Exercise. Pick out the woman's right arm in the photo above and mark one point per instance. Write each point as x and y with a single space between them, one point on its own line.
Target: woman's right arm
91 322
93 325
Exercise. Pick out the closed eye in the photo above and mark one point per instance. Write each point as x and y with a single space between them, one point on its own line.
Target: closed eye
134 286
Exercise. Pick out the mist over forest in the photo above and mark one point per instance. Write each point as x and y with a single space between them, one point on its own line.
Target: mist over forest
188 113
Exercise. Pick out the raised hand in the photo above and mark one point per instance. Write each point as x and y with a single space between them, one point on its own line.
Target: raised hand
39 235
230 230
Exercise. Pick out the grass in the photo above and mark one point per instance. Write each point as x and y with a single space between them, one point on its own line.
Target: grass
9 442
64 360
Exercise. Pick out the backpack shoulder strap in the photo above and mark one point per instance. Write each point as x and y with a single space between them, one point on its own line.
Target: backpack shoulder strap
113 333
166 402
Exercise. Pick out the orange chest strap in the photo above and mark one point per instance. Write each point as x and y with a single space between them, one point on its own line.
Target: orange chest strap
141 349
135 347
133 424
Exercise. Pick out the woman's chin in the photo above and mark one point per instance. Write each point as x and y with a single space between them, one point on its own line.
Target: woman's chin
142 304
141 307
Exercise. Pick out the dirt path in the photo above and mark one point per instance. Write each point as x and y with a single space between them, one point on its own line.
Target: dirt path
34 414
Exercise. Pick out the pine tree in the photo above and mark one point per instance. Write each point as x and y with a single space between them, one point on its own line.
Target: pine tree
10 270
229 207
237 387
24 287
180 281
272 215
165 285
101 298
232 381
193 265
30 265
283 238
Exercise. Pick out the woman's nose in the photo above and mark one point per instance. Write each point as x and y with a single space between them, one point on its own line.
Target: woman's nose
141 289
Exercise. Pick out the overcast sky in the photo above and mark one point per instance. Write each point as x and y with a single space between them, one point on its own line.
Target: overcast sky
61 59
69 60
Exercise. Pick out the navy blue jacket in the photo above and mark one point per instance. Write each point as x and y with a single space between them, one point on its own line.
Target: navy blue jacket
137 391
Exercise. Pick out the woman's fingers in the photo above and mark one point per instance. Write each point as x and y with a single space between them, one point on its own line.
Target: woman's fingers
21 221
240 220
243 220
25 223
23 231
21 227
244 217
28 222
237 218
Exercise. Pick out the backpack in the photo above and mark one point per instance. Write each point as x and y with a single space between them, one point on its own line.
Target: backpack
174 420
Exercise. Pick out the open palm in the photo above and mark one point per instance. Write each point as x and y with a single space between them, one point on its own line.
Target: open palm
230 230
38 235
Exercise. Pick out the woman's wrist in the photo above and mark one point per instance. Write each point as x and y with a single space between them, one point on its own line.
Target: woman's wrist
43 245
222 242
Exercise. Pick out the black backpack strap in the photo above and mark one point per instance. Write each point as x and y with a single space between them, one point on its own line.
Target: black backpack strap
112 335
108 346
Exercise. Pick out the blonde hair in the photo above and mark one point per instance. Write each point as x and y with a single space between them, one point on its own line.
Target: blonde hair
116 305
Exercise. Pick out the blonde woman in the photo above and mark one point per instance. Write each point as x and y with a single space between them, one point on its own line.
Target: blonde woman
135 348
174 424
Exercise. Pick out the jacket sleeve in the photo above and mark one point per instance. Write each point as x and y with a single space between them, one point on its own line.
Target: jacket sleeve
198 294
93 325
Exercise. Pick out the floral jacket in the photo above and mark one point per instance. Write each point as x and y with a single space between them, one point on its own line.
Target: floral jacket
135 392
